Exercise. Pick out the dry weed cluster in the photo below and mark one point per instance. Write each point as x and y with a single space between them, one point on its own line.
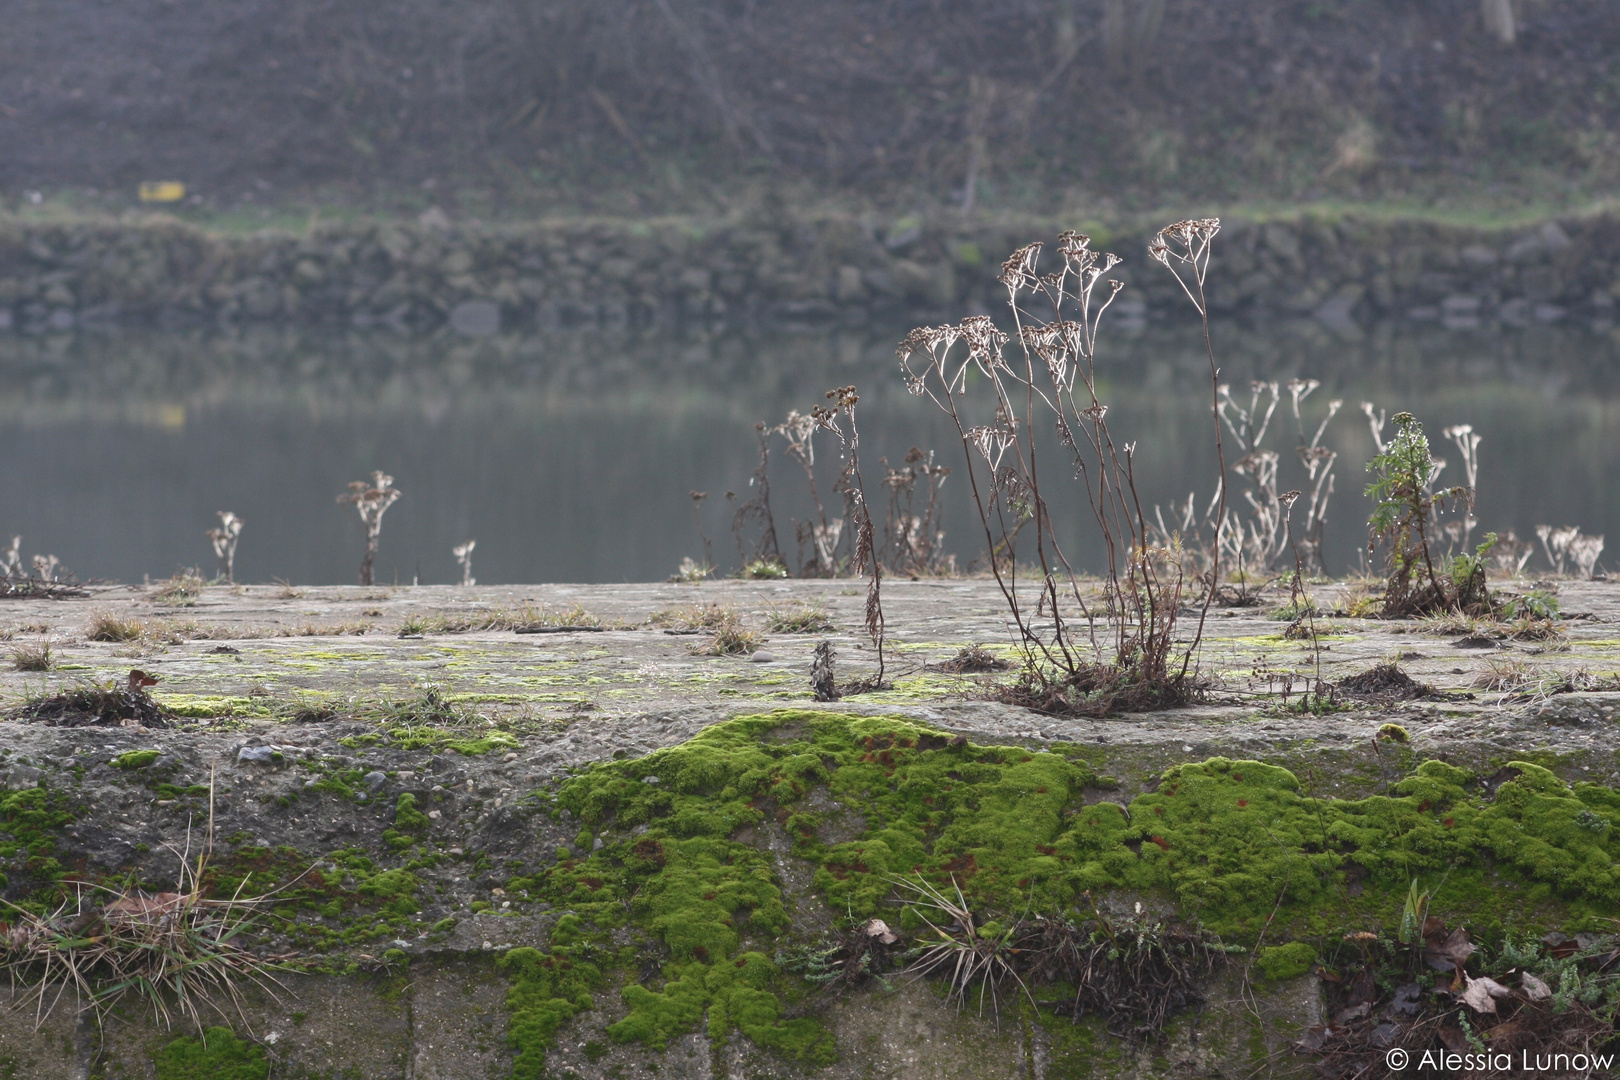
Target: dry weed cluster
177 953
1122 652
1133 972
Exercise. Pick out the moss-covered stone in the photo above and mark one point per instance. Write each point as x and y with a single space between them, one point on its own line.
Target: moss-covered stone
1277 962
1230 844
218 1055
29 867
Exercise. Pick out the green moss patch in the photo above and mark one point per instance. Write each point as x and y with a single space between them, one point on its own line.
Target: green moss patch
547 991
373 902
29 821
219 1055
424 737
135 759
410 824
1228 843
1275 962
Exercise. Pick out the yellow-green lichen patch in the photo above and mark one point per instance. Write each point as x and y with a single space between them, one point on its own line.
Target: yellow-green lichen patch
213 705
426 737
921 688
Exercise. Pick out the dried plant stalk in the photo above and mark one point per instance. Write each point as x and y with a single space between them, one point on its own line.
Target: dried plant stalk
371 501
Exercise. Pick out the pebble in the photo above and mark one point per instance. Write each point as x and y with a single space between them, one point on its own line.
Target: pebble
375 779
762 657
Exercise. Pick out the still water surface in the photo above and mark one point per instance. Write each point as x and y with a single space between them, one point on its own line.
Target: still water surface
569 456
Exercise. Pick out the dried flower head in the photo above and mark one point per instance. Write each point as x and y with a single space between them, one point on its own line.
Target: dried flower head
224 541
371 501
1018 272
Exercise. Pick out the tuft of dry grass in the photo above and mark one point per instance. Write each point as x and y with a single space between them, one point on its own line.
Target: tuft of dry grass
525 619
1535 628
1528 627
971 660
1507 676
33 657
1457 624
692 618
1358 602
177 952
728 637
763 570
343 629
799 618
182 590
956 948
1518 680
174 632
530 620
691 572
105 626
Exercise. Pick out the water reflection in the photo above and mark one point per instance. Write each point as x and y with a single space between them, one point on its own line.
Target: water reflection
569 456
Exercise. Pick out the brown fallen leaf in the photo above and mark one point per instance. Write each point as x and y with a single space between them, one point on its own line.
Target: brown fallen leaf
1482 993
1448 952
879 929
1534 987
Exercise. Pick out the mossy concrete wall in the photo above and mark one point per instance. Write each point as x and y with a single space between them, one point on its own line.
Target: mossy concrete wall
645 833
447 1021
56 275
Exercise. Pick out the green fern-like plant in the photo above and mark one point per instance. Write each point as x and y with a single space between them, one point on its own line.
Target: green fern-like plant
1404 472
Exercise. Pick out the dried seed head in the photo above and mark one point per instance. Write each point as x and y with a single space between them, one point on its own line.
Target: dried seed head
1018 272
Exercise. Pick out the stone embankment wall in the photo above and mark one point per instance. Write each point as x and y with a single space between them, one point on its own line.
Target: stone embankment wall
57 276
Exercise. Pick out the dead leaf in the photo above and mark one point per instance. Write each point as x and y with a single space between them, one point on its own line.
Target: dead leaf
1560 946
1385 1035
1406 999
1450 952
1482 993
879 929
1534 987
144 907
1363 988
1354 1012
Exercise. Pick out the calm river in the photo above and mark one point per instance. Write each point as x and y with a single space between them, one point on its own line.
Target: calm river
569 457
